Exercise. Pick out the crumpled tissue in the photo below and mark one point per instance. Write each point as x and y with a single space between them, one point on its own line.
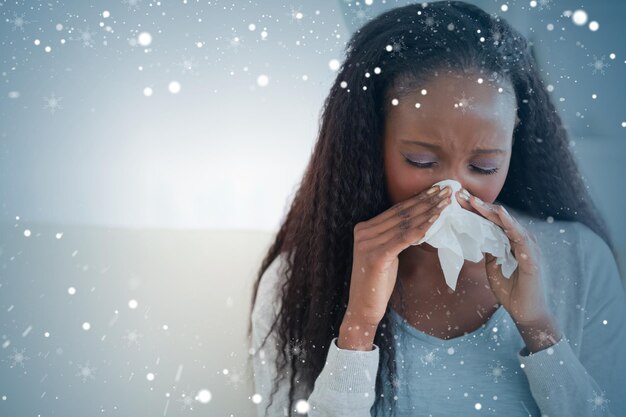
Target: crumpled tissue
460 234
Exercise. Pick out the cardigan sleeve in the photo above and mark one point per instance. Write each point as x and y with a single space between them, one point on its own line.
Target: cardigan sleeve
593 383
344 388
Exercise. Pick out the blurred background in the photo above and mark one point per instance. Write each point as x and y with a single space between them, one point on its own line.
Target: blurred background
149 151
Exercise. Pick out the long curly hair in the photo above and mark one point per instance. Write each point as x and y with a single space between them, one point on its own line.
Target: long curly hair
343 183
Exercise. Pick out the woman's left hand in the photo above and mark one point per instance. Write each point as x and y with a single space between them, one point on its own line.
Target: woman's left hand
522 294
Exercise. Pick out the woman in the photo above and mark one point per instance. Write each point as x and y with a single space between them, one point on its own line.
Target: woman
363 320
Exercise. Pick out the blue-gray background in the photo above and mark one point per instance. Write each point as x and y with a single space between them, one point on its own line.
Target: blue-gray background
127 196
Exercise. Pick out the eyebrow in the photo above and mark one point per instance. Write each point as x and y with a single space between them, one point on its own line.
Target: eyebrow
432 145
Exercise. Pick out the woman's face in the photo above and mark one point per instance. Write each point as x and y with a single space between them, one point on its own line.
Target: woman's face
462 130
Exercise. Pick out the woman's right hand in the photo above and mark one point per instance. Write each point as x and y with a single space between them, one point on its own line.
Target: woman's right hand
377 243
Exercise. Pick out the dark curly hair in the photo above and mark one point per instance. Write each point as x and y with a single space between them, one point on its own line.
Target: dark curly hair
343 183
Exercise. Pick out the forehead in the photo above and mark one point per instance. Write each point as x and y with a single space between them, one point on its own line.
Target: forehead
452 107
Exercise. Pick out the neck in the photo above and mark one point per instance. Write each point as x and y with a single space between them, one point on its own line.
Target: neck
419 269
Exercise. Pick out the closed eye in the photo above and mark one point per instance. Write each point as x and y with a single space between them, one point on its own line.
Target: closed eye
430 164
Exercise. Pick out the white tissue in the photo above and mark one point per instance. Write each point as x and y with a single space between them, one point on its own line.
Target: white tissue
460 234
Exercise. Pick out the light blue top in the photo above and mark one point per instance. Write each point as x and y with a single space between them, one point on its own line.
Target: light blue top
487 371
476 372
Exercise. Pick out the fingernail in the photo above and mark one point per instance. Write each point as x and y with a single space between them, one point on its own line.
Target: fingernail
478 200
443 192
465 195
433 190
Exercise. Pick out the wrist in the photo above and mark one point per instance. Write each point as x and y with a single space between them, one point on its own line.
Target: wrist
356 335
540 333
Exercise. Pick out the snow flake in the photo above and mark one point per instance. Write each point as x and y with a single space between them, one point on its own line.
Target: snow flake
396 46
53 103
598 65
429 357
362 14
187 401
298 349
430 21
295 14
235 44
599 401
86 36
544 4
399 383
188 65
496 371
132 337
86 371
132 4
19 22
18 358
463 103
235 378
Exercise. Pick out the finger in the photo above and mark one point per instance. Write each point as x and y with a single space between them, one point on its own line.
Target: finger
411 206
406 219
463 201
410 230
492 269
487 210
518 236
402 209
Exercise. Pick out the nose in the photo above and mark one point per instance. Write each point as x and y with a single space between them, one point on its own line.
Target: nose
458 179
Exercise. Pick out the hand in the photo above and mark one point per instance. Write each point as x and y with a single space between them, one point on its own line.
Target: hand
377 243
521 294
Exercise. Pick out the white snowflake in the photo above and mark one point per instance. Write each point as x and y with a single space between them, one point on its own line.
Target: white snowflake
397 46
19 22
429 357
599 401
235 378
132 4
295 14
189 65
362 14
235 44
86 372
399 383
544 4
598 65
53 103
86 36
430 21
544 337
132 337
187 401
463 103
497 371
18 358
298 350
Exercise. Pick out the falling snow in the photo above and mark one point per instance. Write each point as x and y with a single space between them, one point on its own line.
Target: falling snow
598 65
18 358
86 372
52 103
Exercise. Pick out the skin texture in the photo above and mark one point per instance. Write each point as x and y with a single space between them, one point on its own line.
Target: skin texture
485 121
